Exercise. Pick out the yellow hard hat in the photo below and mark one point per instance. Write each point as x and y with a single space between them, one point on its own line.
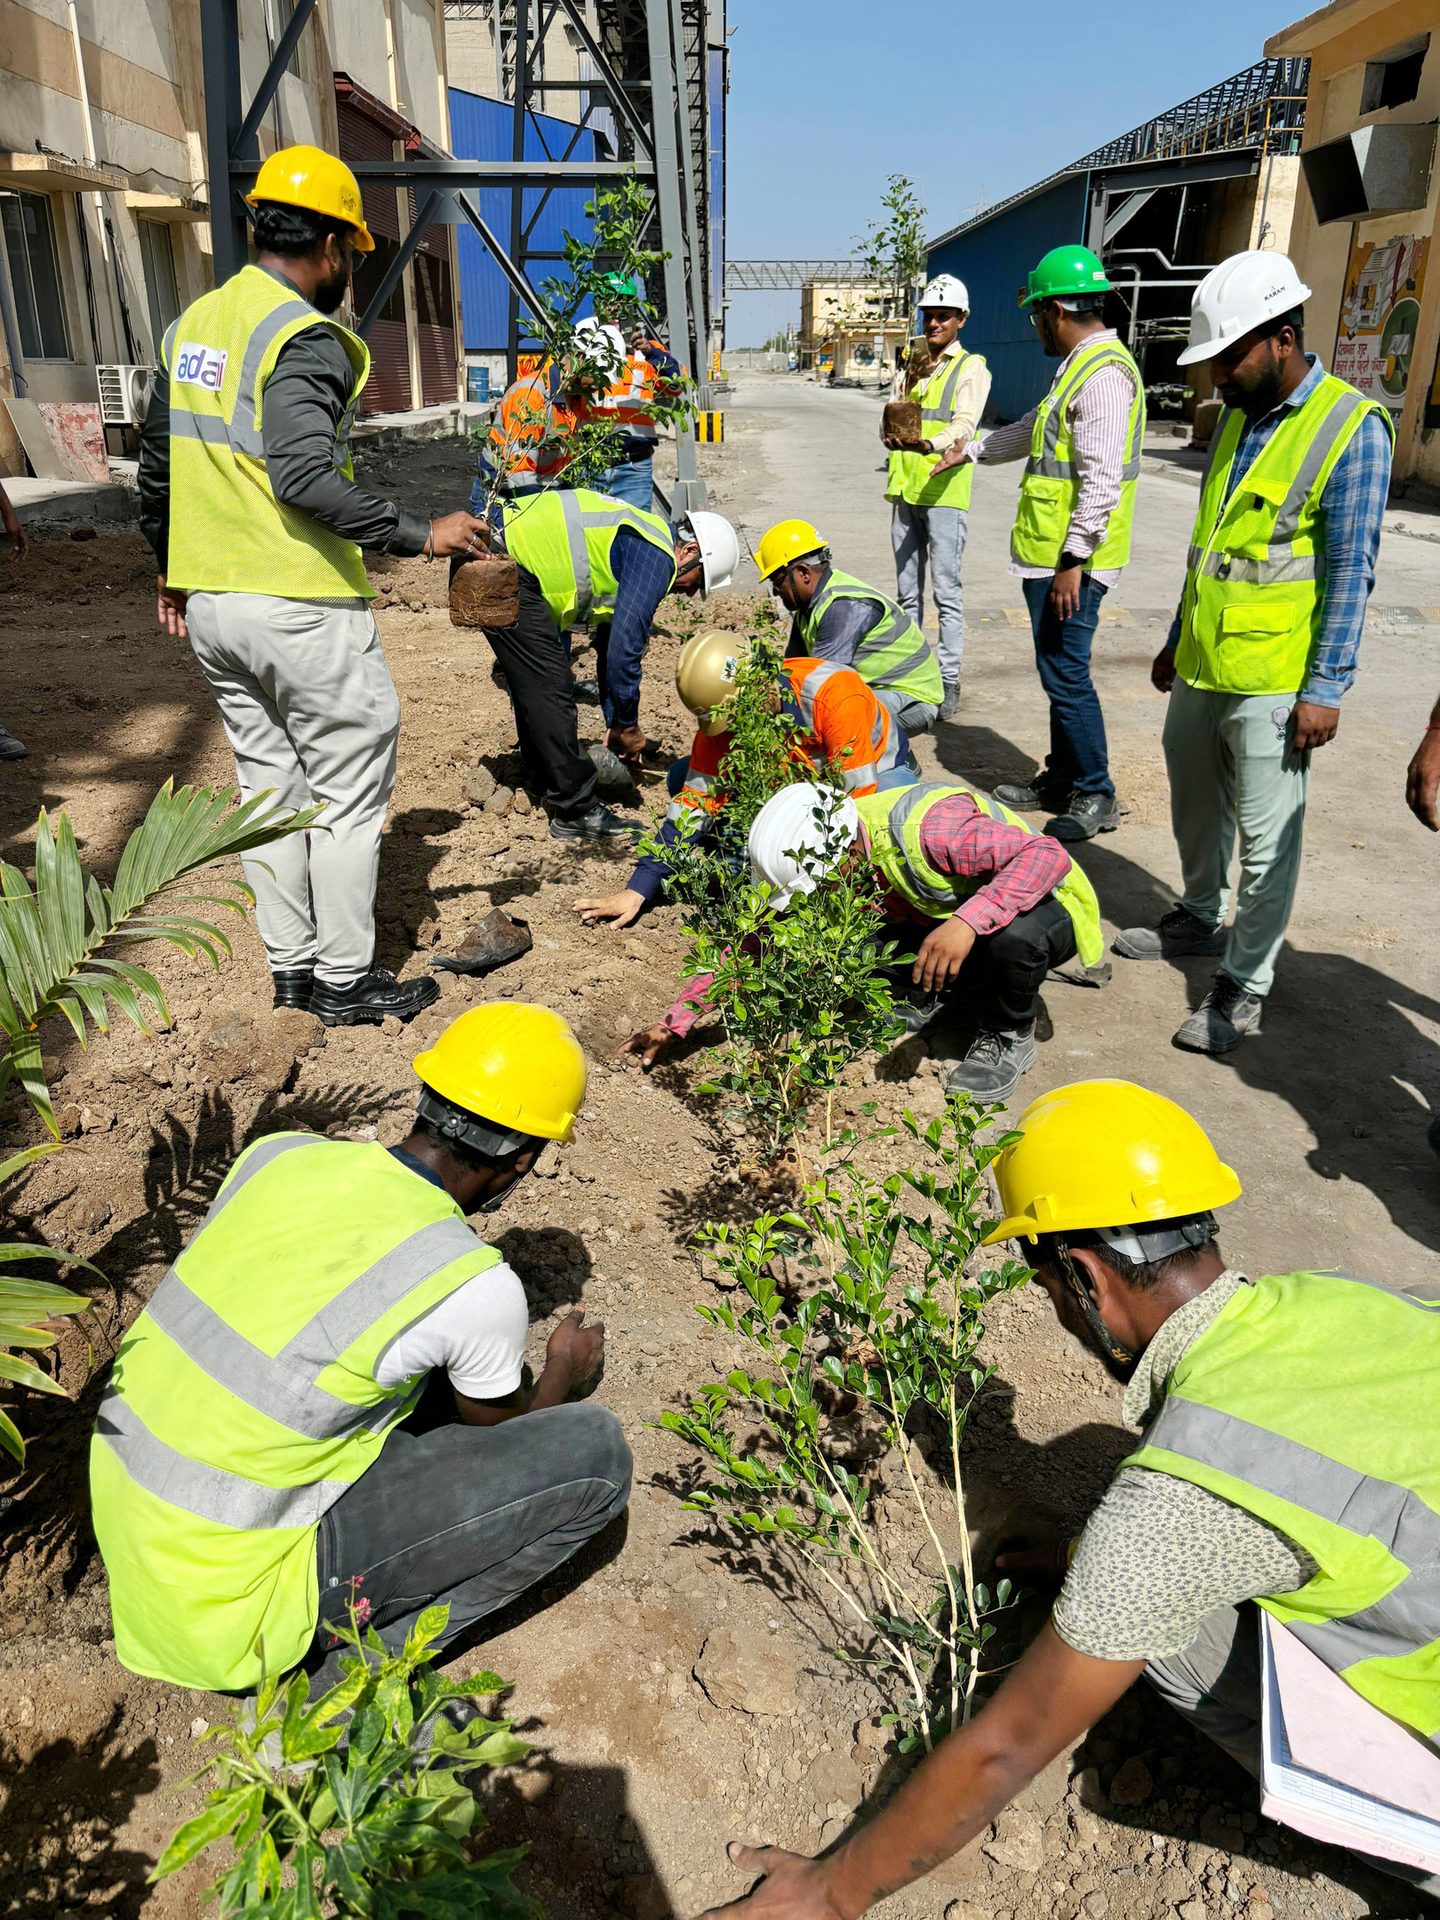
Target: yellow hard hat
1106 1153
705 676
518 1066
787 540
311 178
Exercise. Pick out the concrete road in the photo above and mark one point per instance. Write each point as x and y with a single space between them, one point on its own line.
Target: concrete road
1324 1114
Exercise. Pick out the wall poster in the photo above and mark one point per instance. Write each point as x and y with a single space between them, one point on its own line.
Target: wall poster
1380 316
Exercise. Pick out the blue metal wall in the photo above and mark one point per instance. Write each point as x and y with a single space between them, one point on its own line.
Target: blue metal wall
993 260
481 129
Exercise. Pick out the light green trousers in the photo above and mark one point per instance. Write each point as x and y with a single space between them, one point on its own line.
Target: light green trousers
1232 772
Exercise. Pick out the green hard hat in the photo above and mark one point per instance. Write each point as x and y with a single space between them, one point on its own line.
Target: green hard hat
1065 274
624 285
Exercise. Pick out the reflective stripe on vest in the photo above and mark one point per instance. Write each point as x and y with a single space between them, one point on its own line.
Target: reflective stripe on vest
563 539
884 732
894 827
233 535
894 654
1050 486
911 476
1251 609
1311 1404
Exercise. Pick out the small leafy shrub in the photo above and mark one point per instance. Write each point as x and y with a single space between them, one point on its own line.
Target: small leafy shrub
25 1307
355 1804
886 1335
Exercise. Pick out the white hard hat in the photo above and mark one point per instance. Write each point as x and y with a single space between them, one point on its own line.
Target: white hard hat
719 546
599 341
1242 292
946 291
799 835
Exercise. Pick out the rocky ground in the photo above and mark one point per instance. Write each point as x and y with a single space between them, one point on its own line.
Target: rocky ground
676 1696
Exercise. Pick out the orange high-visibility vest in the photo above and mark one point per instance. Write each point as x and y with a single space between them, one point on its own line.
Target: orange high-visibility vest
525 417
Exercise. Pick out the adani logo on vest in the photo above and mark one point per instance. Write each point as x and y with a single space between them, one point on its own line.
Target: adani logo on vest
200 366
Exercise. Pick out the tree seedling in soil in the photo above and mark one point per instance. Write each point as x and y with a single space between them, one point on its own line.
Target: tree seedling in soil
356 1803
883 1329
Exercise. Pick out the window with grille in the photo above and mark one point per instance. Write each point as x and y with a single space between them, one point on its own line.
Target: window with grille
157 256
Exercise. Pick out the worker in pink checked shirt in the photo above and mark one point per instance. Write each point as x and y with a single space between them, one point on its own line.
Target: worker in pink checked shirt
1003 904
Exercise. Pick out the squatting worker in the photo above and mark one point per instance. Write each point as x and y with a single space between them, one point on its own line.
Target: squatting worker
1288 1470
586 560
1266 641
256 1463
837 617
1004 906
930 504
836 722
1071 538
248 497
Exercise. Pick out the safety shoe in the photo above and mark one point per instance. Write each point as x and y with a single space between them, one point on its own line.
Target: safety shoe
1083 816
1222 1019
916 1011
950 705
587 692
11 748
1178 933
374 997
1038 794
596 824
294 987
995 1063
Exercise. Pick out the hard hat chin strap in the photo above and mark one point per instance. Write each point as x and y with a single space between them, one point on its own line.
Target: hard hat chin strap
453 1122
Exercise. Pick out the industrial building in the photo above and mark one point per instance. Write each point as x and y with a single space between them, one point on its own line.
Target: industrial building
1161 205
1364 227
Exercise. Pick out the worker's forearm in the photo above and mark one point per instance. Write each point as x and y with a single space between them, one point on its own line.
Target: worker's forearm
944 1804
552 1389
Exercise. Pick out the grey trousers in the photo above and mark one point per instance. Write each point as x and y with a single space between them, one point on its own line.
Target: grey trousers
1214 1683
933 537
311 713
1233 772
916 716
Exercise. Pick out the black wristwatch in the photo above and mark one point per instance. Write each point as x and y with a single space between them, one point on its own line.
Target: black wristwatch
1071 560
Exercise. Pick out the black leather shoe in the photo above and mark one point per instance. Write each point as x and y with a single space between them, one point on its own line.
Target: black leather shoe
1085 815
1036 795
599 824
11 748
374 997
293 988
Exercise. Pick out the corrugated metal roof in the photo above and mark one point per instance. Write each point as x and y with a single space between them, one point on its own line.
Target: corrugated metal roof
481 129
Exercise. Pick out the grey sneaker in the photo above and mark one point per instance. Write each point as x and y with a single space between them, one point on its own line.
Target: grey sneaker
950 705
1179 932
1222 1019
993 1067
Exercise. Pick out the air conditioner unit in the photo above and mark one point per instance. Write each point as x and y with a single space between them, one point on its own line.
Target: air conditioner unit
124 394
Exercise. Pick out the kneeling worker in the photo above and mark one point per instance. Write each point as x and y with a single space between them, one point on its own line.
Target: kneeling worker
586 560
838 722
1010 903
250 1474
1286 1480
840 618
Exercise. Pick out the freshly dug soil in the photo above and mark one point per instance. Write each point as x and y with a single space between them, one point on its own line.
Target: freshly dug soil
484 592
902 421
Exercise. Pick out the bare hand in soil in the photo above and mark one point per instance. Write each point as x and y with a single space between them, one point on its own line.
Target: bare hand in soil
942 953
628 743
620 909
18 537
170 607
649 1043
792 1888
579 1348
1162 670
459 533
1035 1559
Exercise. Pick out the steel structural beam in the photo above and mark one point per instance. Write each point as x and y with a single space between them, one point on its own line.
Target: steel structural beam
771 276
680 294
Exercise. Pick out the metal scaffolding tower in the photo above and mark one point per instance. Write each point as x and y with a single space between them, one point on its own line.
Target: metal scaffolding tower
651 64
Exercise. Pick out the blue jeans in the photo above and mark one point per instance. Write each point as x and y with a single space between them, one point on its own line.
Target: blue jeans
633 481
1078 759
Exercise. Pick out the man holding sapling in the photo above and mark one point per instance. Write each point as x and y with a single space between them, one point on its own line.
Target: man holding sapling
1003 904
1277 1526
833 718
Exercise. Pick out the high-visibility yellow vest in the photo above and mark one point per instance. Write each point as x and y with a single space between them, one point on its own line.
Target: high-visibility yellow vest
1254 583
564 540
894 654
243 1402
1050 486
1311 1402
228 532
911 476
892 824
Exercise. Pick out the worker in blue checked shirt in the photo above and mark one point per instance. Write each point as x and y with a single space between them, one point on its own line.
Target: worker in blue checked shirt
1267 638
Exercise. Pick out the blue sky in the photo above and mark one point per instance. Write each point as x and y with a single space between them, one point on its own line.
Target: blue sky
822 111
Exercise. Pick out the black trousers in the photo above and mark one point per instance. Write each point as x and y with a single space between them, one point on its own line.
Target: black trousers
536 662
999 985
